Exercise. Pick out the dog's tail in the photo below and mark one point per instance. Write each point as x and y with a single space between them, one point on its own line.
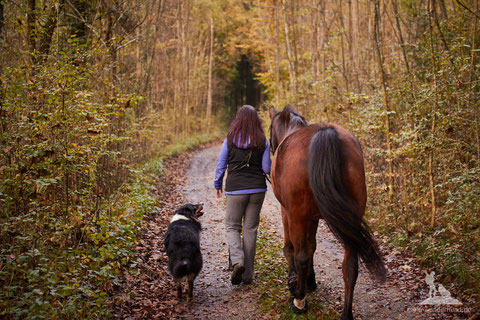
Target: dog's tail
182 268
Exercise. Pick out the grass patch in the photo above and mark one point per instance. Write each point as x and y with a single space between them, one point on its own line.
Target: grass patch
272 268
186 144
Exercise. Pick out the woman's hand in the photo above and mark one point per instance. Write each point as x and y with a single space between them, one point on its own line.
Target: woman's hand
219 193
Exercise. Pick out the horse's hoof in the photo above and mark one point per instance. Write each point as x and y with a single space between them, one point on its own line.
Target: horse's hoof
292 283
297 310
347 316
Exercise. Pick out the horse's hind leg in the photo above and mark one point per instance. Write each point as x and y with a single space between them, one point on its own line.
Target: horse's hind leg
292 271
350 274
311 282
288 252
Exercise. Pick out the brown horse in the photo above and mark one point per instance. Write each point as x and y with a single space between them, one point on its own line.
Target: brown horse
318 173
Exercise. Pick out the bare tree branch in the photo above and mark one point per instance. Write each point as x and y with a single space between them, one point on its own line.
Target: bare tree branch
467 8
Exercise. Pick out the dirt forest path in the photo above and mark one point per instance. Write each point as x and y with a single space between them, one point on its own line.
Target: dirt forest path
216 298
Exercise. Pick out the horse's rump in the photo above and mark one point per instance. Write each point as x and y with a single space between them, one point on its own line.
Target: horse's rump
335 166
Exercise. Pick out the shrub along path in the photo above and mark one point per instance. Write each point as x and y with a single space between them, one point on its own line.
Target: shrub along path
148 292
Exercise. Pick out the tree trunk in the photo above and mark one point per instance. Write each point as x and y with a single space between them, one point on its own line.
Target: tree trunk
138 54
443 7
1 19
433 12
402 46
351 65
31 28
431 177
45 41
400 35
293 10
277 49
342 47
186 69
290 57
112 49
210 67
470 81
2 92
377 37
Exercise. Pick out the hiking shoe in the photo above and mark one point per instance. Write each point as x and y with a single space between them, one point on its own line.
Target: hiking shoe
237 273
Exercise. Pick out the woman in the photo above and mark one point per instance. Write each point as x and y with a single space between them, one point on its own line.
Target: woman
245 155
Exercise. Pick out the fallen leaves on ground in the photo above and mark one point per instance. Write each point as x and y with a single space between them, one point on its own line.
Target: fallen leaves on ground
147 291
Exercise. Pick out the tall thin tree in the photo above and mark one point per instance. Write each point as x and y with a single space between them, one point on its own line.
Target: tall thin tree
433 123
386 103
210 71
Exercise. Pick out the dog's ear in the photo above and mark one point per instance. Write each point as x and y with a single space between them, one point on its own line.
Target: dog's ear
182 210
192 211
195 212
185 210
198 210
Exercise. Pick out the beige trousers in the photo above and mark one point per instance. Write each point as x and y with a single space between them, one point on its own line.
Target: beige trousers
243 211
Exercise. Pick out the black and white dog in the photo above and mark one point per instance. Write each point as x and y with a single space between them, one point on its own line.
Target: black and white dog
182 244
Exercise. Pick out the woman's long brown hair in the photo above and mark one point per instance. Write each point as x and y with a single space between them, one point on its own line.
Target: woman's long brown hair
247 126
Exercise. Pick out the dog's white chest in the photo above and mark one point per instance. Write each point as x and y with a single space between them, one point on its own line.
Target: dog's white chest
178 217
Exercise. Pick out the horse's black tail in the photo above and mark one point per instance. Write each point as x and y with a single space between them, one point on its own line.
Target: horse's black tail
335 202
182 268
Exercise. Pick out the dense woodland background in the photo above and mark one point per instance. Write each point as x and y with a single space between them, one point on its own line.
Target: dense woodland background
94 94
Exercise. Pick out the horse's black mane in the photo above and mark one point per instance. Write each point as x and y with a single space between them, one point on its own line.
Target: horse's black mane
288 118
295 118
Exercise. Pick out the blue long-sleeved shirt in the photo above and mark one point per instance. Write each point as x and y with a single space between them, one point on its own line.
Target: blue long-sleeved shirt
222 163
